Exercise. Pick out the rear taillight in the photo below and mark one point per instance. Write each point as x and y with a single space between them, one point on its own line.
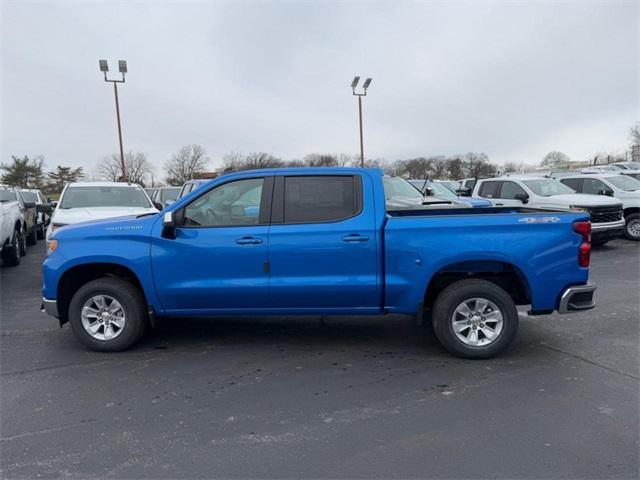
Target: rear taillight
584 252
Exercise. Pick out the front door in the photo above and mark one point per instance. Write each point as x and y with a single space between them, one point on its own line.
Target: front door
218 260
323 245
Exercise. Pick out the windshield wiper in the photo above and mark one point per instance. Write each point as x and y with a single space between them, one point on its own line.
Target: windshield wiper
146 214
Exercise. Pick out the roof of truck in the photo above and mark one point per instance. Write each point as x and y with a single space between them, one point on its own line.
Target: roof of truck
104 184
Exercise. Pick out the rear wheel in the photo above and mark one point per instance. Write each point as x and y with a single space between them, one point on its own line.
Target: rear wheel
108 314
11 252
632 227
22 242
32 237
475 319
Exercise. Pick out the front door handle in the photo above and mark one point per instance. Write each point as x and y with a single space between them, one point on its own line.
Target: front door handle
249 241
499 204
354 238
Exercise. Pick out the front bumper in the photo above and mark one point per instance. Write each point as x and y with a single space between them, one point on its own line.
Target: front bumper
600 227
577 298
50 307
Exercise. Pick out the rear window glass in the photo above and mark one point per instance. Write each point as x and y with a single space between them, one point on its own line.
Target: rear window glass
29 196
319 198
7 196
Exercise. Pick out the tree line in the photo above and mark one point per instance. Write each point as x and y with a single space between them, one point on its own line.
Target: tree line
192 161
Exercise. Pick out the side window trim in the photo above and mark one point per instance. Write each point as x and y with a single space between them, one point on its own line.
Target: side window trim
277 210
265 203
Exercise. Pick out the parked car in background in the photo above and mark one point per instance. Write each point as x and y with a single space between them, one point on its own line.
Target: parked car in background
318 241
400 193
626 165
191 186
30 216
546 193
165 196
13 240
631 173
37 197
440 190
622 187
83 201
151 191
465 186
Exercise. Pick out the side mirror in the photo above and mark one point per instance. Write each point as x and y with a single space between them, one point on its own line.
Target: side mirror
158 205
54 204
45 208
464 191
168 226
428 191
523 197
606 192
29 204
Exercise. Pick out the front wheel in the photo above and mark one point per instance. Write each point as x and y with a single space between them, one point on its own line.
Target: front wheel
475 319
108 314
11 252
632 227
22 242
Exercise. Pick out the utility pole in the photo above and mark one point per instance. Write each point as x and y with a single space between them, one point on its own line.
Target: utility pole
365 86
122 67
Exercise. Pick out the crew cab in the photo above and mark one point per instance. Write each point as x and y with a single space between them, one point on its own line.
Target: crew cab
546 193
318 241
622 187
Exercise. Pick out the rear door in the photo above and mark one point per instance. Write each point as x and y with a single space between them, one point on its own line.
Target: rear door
323 244
508 192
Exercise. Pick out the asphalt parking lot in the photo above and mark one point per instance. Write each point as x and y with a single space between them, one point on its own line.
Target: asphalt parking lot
307 397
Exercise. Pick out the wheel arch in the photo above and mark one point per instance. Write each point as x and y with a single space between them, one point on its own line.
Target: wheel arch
630 211
77 276
502 273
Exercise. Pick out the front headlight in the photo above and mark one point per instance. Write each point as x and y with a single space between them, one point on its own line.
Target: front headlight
580 209
52 246
55 226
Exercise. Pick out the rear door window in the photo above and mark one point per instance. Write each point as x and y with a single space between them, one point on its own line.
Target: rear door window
489 189
321 198
593 186
509 190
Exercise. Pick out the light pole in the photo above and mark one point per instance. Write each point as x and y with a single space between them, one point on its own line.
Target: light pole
122 68
365 85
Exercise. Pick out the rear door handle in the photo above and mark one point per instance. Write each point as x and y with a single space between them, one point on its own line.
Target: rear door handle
499 204
354 238
249 241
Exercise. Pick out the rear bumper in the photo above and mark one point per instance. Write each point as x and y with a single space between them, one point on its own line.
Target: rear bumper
50 307
577 298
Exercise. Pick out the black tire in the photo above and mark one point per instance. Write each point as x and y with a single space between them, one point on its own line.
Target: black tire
32 237
632 219
599 243
22 242
454 295
11 253
133 304
40 231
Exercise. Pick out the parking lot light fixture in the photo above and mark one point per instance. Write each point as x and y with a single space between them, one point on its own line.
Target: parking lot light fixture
365 86
122 68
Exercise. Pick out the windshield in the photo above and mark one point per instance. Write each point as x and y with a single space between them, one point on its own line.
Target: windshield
167 194
633 165
440 190
107 196
7 196
547 188
399 187
624 182
29 196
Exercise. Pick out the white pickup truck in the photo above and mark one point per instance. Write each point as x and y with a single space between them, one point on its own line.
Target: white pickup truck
13 240
546 193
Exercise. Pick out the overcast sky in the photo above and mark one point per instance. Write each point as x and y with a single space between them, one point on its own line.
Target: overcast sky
512 79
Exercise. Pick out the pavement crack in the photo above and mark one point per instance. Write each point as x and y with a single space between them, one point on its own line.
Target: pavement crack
591 362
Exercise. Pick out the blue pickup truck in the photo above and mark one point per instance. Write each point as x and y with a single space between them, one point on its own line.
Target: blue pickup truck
318 241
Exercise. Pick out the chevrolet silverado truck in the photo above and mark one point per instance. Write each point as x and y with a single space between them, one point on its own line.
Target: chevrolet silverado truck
318 241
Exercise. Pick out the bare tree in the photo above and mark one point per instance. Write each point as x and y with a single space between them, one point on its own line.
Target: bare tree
185 164
439 166
137 167
321 160
555 158
232 161
510 167
477 165
634 134
260 160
